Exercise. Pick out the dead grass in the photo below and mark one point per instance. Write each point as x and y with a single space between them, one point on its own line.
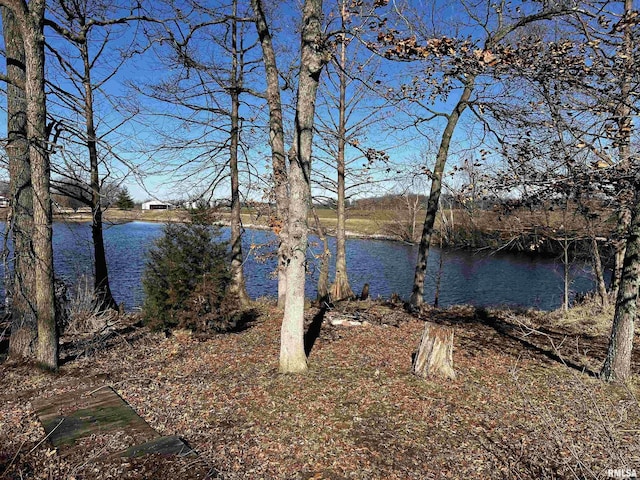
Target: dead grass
83 316
523 405
588 316
497 227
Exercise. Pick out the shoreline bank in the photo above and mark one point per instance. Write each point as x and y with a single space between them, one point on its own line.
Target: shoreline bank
533 241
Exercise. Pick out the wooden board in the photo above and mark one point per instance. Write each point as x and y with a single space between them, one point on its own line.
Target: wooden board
81 413
172 445
78 414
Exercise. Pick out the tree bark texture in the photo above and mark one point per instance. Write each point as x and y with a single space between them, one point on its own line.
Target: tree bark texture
620 244
340 289
617 364
312 60
24 333
624 124
565 269
30 18
434 356
237 287
417 294
276 140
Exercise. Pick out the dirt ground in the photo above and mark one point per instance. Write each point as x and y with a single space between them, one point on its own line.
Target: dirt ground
526 402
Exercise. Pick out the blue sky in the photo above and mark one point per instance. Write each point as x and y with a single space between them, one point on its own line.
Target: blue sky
137 141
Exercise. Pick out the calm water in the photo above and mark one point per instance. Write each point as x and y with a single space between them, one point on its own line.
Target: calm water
473 278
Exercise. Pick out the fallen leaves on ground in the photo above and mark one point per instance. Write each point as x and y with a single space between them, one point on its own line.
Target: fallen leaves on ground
514 411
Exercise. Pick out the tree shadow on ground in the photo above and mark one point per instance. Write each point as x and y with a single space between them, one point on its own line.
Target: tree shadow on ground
238 323
510 331
313 330
5 330
515 337
89 345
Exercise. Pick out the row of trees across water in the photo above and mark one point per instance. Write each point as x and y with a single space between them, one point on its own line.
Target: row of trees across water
550 87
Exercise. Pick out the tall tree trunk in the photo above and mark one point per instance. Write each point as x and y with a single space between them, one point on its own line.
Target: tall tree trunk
617 364
623 118
31 20
565 268
312 60
276 140
417 295
237 287
101 289
619 244
341 288
21 290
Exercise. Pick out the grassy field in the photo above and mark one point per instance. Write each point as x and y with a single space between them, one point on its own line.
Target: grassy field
525 403
479 228
391 223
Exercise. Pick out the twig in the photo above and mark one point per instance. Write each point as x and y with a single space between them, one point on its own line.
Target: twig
102 451
14 458
99 388
48 435
123 338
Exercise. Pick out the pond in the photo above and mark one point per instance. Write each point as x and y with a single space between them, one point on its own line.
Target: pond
480 279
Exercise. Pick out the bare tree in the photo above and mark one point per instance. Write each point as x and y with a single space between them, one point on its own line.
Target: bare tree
313 57
617 364
88 27
351 109
277 143
237 287
455 65
589 101
208 87
340 289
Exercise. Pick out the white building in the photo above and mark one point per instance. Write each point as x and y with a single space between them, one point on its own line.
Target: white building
156 205
4 202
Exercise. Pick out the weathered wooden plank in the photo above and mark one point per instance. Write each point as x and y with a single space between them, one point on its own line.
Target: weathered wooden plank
172 445
78 414
81 413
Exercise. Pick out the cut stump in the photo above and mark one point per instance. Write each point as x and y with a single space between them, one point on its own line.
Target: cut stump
434 356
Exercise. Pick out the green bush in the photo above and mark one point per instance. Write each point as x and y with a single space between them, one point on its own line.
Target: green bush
180 262
124 200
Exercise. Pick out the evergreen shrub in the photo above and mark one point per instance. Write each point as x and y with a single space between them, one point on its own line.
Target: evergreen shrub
186 278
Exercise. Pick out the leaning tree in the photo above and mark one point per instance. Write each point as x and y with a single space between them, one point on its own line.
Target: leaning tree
454 66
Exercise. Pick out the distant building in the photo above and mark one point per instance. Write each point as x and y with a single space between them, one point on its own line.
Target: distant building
156 205
4 202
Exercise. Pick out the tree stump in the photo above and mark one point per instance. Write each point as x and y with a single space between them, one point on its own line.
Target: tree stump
435 353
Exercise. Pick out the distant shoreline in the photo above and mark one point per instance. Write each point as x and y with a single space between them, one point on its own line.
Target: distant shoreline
493 233
169 216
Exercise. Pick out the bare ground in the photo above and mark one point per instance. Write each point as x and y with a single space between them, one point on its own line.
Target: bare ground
525 404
